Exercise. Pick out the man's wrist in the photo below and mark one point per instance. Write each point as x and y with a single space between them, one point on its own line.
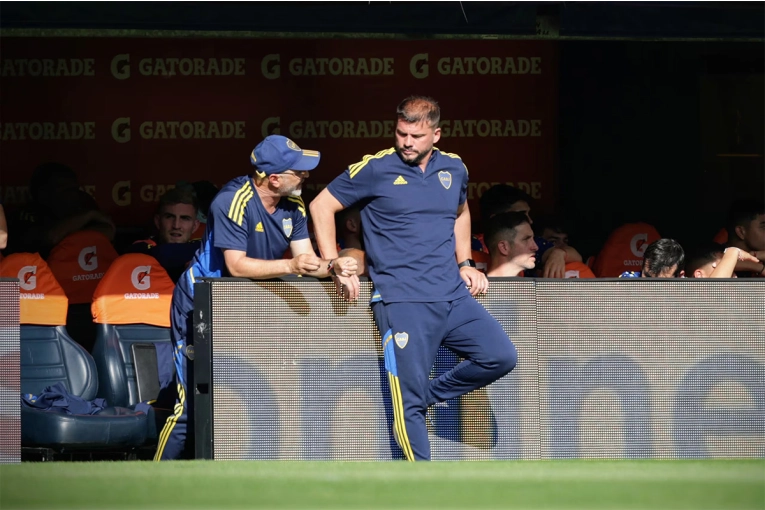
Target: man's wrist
331 268
466 263
738 253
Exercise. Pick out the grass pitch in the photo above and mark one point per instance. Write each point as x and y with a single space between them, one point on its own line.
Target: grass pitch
559 485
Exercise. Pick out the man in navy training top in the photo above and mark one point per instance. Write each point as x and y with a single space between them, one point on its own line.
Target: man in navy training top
251 223
417 240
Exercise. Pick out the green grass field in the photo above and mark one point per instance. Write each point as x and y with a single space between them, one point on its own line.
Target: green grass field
575 484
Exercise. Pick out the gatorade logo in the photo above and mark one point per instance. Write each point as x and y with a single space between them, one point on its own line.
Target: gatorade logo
140 277
121 66
270 67
27 278
87 259
121 193
121 130
639 244
270 126
418 65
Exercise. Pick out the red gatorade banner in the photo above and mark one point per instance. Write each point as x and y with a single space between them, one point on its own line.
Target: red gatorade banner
134 116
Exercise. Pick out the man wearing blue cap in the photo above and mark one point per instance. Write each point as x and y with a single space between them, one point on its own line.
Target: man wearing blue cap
251 223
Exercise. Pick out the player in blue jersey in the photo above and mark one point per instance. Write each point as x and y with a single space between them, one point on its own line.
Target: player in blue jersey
412 199
251 223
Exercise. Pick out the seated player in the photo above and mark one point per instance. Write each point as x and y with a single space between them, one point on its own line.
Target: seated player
551 260
664 258
511 244
715 261
175 221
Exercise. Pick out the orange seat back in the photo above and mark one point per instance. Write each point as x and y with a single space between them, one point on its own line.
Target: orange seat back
482 260
624 249
79 262
578 270
42 300
721 237
135 290
199 233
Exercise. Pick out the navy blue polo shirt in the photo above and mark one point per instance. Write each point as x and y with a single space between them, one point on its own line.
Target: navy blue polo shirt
408 223
237 220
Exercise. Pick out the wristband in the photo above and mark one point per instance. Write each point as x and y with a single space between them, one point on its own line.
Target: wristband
734 248
468 262
762 270
331 268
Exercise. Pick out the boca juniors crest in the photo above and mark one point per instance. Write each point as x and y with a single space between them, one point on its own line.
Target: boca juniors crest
401 339
446 179
287 226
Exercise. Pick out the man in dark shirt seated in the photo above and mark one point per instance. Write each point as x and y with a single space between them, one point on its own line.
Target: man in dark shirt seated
175 221
58 208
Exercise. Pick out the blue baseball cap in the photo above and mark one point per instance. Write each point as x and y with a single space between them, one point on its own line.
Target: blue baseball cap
276 154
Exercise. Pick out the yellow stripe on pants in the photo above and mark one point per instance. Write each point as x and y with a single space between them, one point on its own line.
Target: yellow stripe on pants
398 417
170 423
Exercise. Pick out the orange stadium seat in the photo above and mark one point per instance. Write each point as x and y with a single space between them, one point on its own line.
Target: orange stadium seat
134 290
43 301
578 270
624 249
79 262
482 260
721 237
131 308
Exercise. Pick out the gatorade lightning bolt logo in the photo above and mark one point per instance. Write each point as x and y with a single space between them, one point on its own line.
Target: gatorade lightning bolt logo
87 259
638 244
140 277
27 277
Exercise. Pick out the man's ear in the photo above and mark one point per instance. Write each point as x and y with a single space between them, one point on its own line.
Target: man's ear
156 221
740 232
351 225
504 248
698 274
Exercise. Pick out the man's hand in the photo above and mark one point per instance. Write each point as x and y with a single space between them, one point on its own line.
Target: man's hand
555 265
305 263
475 280
347 287
346 266
749 256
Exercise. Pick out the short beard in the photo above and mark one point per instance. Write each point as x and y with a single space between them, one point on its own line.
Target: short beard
413 161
